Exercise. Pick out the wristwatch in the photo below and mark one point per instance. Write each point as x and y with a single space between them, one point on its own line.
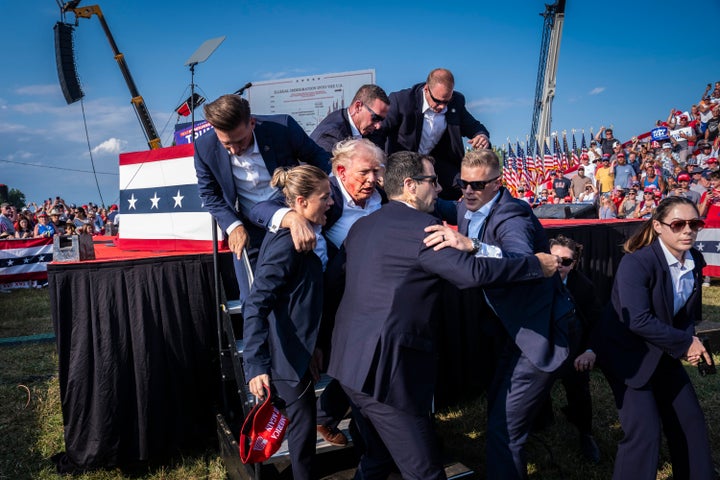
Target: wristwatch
476 245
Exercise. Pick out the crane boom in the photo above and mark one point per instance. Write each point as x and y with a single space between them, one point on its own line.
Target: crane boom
137 100
554 17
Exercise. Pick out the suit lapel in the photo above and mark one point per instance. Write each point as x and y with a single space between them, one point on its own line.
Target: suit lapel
666 278
463 223
419 118
225 174
264 141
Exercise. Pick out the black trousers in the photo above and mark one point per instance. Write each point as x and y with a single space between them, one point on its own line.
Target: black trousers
391 434
667 403
299 404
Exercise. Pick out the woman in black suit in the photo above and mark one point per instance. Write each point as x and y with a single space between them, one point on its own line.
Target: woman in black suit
283 311
648 329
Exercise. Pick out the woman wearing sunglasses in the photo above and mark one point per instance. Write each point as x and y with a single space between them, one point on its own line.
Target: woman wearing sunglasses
647 330
282 314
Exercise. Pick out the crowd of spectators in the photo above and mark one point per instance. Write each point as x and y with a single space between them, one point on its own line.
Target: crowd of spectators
628 179
56 217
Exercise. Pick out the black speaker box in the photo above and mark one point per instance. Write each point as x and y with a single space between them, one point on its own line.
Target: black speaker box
65 59
566 210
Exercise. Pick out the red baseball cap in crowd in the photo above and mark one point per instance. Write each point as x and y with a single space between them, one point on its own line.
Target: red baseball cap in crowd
262 432
711 160
683 177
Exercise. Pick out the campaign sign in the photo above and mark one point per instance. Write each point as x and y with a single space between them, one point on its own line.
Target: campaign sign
660 133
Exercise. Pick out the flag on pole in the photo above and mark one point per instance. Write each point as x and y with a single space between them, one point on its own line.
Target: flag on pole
530 164
510 174
556 154
575 157
524 175
548 163
565 153
190 104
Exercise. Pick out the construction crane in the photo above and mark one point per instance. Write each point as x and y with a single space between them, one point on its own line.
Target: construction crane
137 100
554 16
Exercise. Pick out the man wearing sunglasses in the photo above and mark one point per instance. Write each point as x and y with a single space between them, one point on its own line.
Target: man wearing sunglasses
361 119
431 118
385 335
522 346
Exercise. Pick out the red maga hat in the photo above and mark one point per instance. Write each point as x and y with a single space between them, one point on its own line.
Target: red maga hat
262 432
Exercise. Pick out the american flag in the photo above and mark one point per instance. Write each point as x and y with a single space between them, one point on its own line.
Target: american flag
530 164
510 171
583 145
575 157
524 175
565 162
556 153
548 163
23 260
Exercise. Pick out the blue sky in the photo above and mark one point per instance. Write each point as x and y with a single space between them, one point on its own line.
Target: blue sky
621 63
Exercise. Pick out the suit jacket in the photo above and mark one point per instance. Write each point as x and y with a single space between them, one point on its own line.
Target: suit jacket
281 142
335 128
384 340
282 314
639 325
588 305
402 129
525 310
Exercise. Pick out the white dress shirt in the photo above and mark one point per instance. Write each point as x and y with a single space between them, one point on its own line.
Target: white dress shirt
433 127
351 213
252 180
682 276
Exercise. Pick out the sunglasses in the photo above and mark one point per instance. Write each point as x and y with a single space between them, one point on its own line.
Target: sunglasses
438 101
566 261
432 179
477 185
678 225
374 117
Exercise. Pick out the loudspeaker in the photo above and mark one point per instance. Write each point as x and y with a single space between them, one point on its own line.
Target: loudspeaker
65 60
566 210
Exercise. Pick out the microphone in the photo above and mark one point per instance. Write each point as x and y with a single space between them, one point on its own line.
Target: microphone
244 87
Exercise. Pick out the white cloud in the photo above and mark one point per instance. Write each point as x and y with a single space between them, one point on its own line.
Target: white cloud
295 72
596 90
489 104
111 145
38 90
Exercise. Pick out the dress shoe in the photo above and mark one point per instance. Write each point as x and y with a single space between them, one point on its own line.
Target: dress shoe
332 435
589 448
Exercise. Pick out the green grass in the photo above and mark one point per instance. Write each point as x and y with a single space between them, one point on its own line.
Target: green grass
31 428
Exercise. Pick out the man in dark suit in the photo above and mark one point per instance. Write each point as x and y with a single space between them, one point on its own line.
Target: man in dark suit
235 162
525 348
383 344
354 189
363 117
431 118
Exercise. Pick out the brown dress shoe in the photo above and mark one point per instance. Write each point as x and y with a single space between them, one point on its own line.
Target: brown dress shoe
332 436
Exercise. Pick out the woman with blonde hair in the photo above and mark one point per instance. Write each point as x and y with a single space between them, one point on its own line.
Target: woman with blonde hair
283 311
